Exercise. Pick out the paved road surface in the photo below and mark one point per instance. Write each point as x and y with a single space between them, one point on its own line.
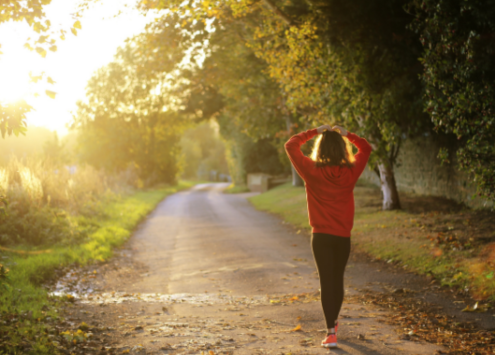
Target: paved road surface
207 272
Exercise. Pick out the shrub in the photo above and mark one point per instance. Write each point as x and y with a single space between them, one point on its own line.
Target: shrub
46 202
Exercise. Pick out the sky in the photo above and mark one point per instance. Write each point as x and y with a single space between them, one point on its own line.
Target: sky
72 65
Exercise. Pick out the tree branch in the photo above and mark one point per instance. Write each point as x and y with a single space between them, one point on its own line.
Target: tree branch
282 15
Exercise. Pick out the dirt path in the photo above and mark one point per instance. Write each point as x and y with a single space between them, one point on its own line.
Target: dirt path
207 273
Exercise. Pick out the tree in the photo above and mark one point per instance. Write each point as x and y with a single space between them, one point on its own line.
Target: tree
459 75
351 62
126 120
231 85
203 150
247 96
354 62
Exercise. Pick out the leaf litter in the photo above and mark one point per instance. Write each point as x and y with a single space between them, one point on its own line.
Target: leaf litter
417 320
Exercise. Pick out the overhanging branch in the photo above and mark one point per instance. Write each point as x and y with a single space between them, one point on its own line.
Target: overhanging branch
282 15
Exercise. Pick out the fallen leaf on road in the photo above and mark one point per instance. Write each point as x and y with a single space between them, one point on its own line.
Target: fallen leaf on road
297 329
476 308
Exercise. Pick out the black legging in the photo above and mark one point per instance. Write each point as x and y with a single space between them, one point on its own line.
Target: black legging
331 254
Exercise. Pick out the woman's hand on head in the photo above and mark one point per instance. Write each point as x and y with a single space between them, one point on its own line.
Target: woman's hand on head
324 128
340 129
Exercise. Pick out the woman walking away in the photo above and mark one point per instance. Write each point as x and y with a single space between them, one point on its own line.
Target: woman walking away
330 177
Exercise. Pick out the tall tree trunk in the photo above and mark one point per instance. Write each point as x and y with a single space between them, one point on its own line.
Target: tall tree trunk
389 187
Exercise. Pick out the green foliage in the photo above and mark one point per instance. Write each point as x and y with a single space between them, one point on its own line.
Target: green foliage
230 84
13 117
246 155
351 62
202 151
4 204
25 304
308 63
458 42
38 226
127 120
33 13
4 278
45 204
263 157
348 61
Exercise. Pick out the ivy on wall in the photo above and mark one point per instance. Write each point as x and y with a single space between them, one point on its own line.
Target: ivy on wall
458 37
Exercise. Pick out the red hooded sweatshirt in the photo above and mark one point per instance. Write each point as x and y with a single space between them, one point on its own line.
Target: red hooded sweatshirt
329 189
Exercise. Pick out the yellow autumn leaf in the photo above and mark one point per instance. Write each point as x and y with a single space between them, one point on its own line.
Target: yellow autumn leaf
74 31
35 78
41 51
297 329
77 25
50 80
52 94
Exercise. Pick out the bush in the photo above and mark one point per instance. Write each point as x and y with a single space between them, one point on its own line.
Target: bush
47 203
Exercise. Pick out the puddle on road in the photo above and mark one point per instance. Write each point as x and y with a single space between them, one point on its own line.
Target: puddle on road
178 298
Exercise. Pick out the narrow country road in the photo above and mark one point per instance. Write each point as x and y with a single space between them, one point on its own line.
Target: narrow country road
206 272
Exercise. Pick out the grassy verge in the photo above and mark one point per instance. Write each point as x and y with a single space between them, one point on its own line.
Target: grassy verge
431 236
236 189
27 312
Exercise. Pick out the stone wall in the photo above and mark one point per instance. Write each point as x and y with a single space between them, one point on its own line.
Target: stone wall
419 171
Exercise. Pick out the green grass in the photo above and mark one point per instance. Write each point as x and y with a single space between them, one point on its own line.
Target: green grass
24 291
236 189
287 201
392 236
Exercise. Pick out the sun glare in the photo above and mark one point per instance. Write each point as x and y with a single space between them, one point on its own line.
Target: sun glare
14 81
71 66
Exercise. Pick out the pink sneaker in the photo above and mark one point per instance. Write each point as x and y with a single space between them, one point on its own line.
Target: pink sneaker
330 341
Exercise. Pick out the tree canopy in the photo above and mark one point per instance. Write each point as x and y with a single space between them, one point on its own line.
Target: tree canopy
126 119
353 63
459 75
